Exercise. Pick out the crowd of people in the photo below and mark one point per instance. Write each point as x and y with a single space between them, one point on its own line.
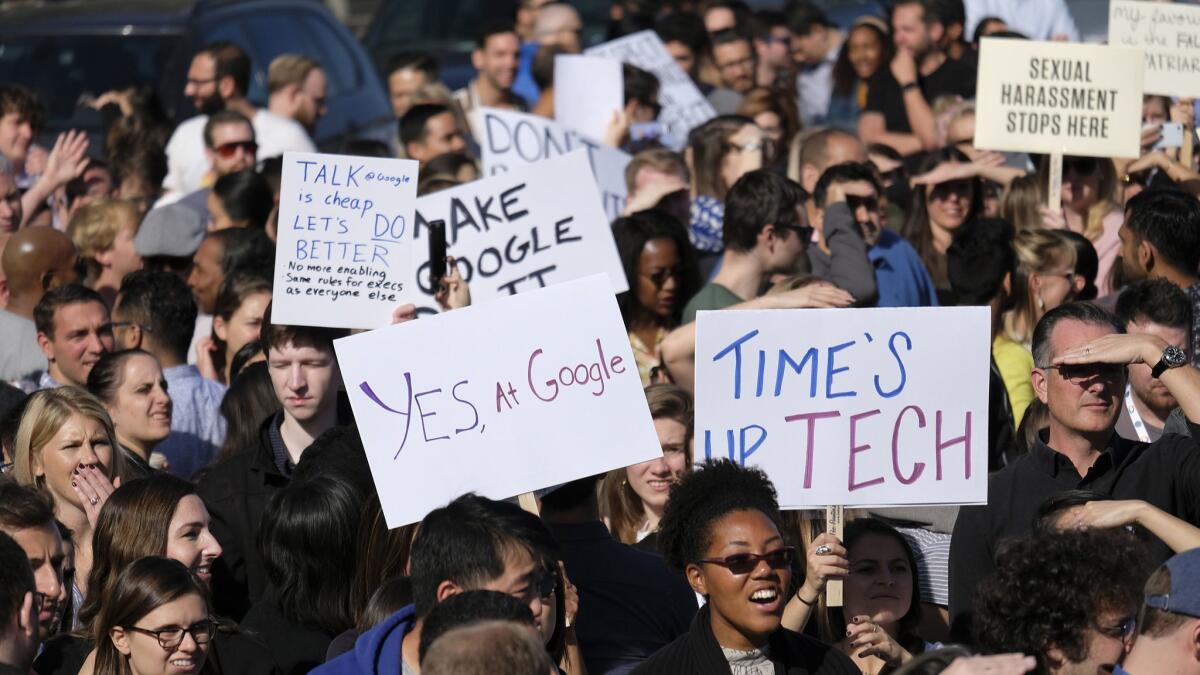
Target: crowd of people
184 489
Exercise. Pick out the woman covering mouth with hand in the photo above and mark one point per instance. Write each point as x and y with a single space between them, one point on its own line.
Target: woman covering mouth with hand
721 527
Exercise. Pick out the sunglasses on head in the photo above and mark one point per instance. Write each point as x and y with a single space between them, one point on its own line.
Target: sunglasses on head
745 563
228 150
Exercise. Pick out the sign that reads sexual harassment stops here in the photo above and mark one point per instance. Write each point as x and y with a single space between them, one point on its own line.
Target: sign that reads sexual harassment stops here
1170 34
1051 97
344 254
500 399
534 226
860 407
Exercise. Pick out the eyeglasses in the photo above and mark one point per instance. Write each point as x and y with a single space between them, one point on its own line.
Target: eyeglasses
547 584
855 202
198 83
228 150
659 277
745 563
1082 166
172 637
1122 631
747 62
1077 373
805 232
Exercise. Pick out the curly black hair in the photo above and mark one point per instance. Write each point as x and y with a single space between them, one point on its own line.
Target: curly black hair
699 499
1048 589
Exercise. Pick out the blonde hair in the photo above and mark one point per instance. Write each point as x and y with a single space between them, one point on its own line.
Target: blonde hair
94 228
45 413
1106 194
658 159
1037 252
620 504
1021 200
287 70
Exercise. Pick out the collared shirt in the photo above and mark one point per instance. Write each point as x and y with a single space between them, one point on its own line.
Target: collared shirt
814 88
1165 473
44 381
197 427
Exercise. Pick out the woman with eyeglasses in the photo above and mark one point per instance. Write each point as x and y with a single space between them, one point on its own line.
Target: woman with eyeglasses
722 529
131 386
155 622
1089 191
718 153
1043 278
661 272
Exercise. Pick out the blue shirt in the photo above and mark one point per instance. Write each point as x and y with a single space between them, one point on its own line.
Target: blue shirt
900 275
197 427
523 84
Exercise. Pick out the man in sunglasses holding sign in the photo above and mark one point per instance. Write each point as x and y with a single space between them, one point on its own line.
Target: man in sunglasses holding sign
1080 357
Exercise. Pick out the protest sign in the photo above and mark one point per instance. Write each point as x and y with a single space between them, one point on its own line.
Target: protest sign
1170 36
344 251
533 226
511 139
499 399
684 107
1051 97
588 92
861 407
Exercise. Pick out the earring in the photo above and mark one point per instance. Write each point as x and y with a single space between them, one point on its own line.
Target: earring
1041 303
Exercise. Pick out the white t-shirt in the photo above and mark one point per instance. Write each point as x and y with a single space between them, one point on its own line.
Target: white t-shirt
1037 19
187 164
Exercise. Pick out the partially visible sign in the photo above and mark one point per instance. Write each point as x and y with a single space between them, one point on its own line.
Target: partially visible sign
853 407
684 107
1170 35
511 139
534 226
499 399
588 92
1052 97
345 242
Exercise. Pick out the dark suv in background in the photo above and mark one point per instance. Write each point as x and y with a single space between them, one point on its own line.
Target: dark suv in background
68 49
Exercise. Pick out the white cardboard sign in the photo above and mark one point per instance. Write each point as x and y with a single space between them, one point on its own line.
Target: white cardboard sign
1052 97
588 91
533 226
853 407
511 139
344 252
499 399
1170 35
684 107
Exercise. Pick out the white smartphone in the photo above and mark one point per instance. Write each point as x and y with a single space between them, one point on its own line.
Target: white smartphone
1172 136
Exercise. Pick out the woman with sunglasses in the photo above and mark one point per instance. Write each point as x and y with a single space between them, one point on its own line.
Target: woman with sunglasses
661 271
947 194
1043 278
722 529
155 622
1089 191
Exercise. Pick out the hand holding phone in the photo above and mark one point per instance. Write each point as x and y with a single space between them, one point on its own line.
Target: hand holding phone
437 254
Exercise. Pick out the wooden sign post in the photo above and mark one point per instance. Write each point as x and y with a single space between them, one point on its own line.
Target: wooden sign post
1056 171
835 525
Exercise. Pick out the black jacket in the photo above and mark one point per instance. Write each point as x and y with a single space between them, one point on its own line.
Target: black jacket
295 649
236 492
697 653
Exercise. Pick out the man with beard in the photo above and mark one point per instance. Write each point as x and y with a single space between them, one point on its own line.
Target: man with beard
1151 307
495 58
218 79
297 87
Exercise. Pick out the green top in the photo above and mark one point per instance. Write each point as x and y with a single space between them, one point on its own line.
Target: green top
712 296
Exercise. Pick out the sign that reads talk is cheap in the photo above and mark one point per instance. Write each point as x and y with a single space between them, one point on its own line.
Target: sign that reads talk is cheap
533 226
859 407
344 254
1051 97
499 399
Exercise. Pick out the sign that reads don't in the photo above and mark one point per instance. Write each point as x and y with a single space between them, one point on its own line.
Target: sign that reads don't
683 106
1050 97
512 139
1170 35
499 399
862 407
344 254
533 226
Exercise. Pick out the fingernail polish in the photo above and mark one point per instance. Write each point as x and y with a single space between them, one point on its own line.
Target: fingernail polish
73 484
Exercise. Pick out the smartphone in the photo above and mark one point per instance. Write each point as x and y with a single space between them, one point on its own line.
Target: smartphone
1172 136
646 131
437 253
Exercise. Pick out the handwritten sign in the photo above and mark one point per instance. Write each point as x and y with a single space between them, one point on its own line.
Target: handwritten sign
588 91
684 107
500 399
345 243
533 226
1170 35
512 139
1051 97
860 407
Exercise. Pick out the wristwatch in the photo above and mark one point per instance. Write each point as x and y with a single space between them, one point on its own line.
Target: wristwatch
908 85
1172 357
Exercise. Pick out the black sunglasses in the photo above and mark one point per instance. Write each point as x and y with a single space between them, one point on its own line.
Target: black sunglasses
745 563
1082 166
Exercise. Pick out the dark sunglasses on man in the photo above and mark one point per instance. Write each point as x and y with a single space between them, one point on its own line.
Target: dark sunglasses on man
228 150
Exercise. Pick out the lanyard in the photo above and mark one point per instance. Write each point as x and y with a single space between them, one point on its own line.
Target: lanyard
1138 425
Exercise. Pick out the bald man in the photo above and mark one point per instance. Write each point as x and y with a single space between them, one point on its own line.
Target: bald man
35 260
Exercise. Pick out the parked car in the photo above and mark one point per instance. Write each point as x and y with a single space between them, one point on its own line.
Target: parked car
69 49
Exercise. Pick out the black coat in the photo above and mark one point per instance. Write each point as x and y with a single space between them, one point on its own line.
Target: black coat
697 653
295 649
236 492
